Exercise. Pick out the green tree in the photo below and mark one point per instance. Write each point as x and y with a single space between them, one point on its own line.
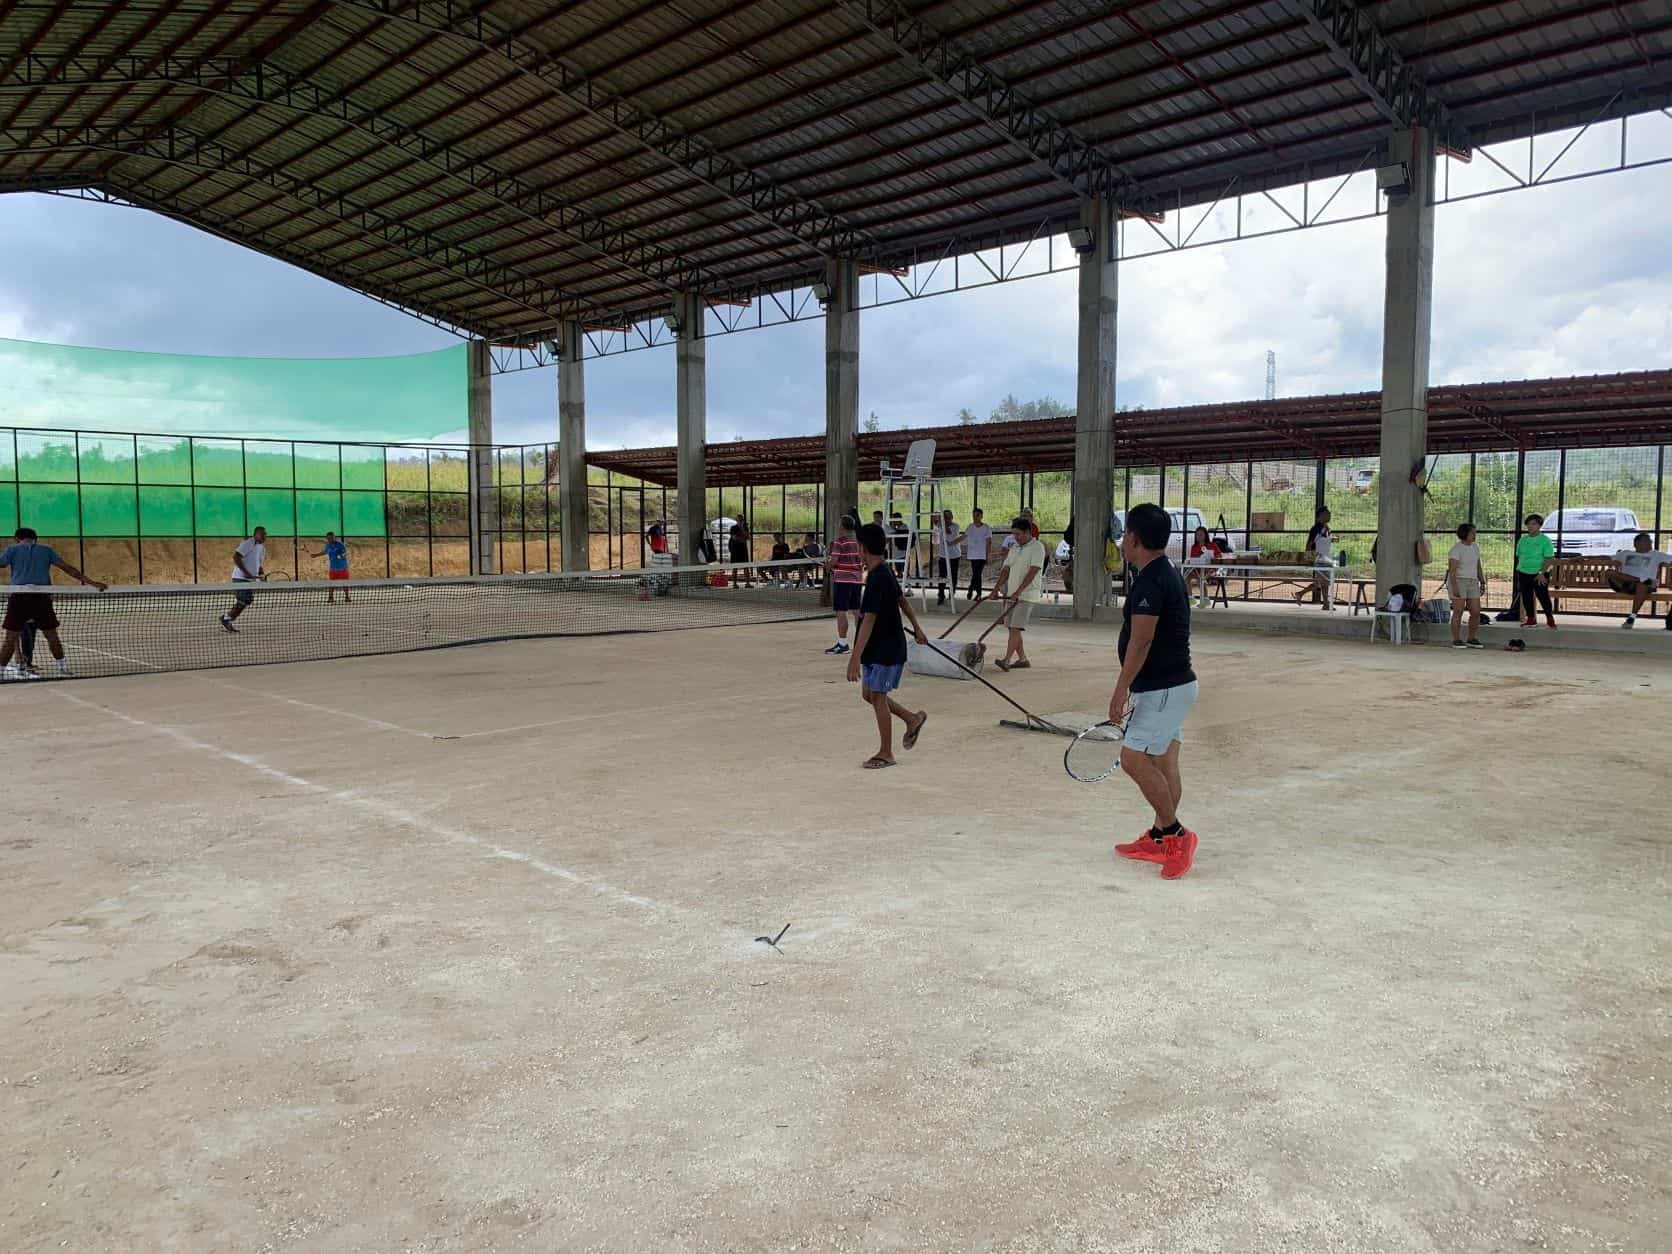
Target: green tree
873 423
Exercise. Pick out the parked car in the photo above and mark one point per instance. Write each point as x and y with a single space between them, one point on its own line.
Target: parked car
1363 480
1591 530
1184 522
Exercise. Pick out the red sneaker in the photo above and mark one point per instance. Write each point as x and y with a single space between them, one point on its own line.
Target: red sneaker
1144 849
1178 853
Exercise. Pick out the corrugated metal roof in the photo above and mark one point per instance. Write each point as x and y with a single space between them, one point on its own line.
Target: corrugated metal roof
585 158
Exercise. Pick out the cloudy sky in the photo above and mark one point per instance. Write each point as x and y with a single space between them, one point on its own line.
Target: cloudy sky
1568 279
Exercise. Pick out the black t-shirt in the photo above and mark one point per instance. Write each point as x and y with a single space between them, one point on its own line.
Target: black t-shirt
780 552
1158 590
881 604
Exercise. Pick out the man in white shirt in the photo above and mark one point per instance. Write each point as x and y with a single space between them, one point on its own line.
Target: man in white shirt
977 536
247 562
1021 583
1639 572
950 551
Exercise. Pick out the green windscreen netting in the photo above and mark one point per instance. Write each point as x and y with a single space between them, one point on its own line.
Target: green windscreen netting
66 469
418 397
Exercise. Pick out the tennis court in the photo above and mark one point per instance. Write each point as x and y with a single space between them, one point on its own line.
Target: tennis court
456 950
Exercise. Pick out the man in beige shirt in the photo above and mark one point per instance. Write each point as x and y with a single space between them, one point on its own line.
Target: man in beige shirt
1021 584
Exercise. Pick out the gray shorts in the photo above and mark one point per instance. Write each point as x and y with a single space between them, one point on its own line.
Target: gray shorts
1020 613
243 596
1158 718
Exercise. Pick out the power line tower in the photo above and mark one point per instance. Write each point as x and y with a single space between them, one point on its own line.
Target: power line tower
1271 374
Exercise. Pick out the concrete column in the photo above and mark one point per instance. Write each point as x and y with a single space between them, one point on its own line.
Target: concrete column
573 502
1094 421
1406 313
484 501
692 404
841 393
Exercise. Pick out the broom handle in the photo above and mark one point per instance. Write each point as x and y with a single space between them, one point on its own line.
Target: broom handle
985 597
1002 618
1032 717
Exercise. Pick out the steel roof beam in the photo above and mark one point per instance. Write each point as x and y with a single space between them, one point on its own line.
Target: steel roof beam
824 233
171 206
178 146
270 85
1365 55
1068 158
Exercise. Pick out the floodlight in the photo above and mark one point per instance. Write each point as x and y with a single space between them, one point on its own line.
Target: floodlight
1080 239
1394 180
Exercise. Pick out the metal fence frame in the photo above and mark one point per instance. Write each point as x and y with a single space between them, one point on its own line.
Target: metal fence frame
529 539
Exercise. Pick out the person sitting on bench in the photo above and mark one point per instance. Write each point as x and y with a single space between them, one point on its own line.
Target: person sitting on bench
1204 550
1639 572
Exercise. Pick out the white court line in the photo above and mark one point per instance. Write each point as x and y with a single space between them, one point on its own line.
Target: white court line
380 809
323 709
638 712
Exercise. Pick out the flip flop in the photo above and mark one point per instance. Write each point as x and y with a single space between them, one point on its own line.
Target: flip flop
1002 664
875 764
1023 665
912 728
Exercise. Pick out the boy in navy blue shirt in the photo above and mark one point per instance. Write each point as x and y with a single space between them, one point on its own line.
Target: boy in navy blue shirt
879 651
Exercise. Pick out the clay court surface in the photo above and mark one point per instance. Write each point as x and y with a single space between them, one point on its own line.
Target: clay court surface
455 951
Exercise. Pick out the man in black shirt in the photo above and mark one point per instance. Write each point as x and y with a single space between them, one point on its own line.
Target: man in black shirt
1157 682
879 651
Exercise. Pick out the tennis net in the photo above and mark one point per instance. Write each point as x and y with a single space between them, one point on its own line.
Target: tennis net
145 629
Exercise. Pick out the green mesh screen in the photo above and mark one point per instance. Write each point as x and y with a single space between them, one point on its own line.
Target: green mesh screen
417 397
73 476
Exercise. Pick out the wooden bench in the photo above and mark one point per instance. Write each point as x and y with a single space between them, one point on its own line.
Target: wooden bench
1586 579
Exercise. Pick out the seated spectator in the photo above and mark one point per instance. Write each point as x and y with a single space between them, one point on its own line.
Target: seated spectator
780 553
1639 572
1204 552
812 549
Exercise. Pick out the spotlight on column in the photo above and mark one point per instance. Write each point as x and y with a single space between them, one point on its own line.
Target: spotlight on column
555 348
1394 180
1081 240
822 294
671 322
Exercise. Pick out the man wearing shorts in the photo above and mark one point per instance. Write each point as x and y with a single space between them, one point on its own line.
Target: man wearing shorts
879 657
30 563
335 554
1639 572
247 561
1021 583
847 579
1158 684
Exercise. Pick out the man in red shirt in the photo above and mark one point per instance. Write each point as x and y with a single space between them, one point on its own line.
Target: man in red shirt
847 579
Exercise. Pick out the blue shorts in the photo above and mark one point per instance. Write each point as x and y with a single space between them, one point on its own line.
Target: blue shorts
882 678
1158 718
847 595
244 596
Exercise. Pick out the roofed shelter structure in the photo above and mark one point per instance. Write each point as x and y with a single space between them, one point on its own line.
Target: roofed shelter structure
524 172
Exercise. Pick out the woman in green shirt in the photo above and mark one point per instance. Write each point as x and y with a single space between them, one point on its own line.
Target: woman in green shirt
1534 556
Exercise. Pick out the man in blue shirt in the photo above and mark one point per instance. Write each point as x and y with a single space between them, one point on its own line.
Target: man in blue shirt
30 563
335 554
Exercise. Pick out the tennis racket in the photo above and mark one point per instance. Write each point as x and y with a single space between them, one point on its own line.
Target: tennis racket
280 575
1095 753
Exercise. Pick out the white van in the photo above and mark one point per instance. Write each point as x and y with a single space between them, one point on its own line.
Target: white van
1591 530
1184 523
